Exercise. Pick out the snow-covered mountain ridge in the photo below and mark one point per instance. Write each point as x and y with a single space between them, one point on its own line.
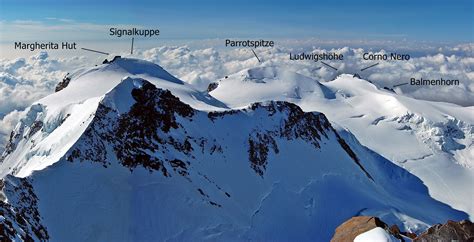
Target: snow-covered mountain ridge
433 140
127 152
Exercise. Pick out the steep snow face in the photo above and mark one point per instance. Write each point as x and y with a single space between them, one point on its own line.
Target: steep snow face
20 218
150 167
432 140
54 123
43 136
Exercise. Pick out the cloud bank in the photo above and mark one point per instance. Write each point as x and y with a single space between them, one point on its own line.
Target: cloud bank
25 80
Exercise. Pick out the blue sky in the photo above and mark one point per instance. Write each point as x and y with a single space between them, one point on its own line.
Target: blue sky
423 20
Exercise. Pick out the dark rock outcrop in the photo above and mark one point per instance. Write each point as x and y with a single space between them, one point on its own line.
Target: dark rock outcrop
114 59
142 131
21 218
462 231
389 89
356 226
63 84
259 147
15 137
212 86
35 127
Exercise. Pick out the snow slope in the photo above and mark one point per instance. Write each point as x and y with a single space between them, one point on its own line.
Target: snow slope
63 116
432 140
126 152
268 83
375 235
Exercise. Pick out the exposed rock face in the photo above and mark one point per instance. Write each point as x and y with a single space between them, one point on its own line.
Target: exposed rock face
146 119
20 219
114 59
11 144
28 127
139 132
397 233
450 231
212 86
356 226
63 84
462 231
151 126
35 127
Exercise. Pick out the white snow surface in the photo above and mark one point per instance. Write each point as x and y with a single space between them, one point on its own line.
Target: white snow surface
299 198
76 105
375 235
433 140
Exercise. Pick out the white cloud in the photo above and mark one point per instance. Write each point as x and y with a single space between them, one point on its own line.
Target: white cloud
23 81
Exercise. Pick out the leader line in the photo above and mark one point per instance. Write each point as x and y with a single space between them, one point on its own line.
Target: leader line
401 84
363 69
329 65
96 51
255 55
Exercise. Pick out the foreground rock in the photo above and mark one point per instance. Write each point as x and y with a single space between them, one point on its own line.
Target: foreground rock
450 231
458 231
356 226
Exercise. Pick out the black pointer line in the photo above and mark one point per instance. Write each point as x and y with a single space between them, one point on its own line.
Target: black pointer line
329 65
96 51
131 50
255 55
363 69
400 84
